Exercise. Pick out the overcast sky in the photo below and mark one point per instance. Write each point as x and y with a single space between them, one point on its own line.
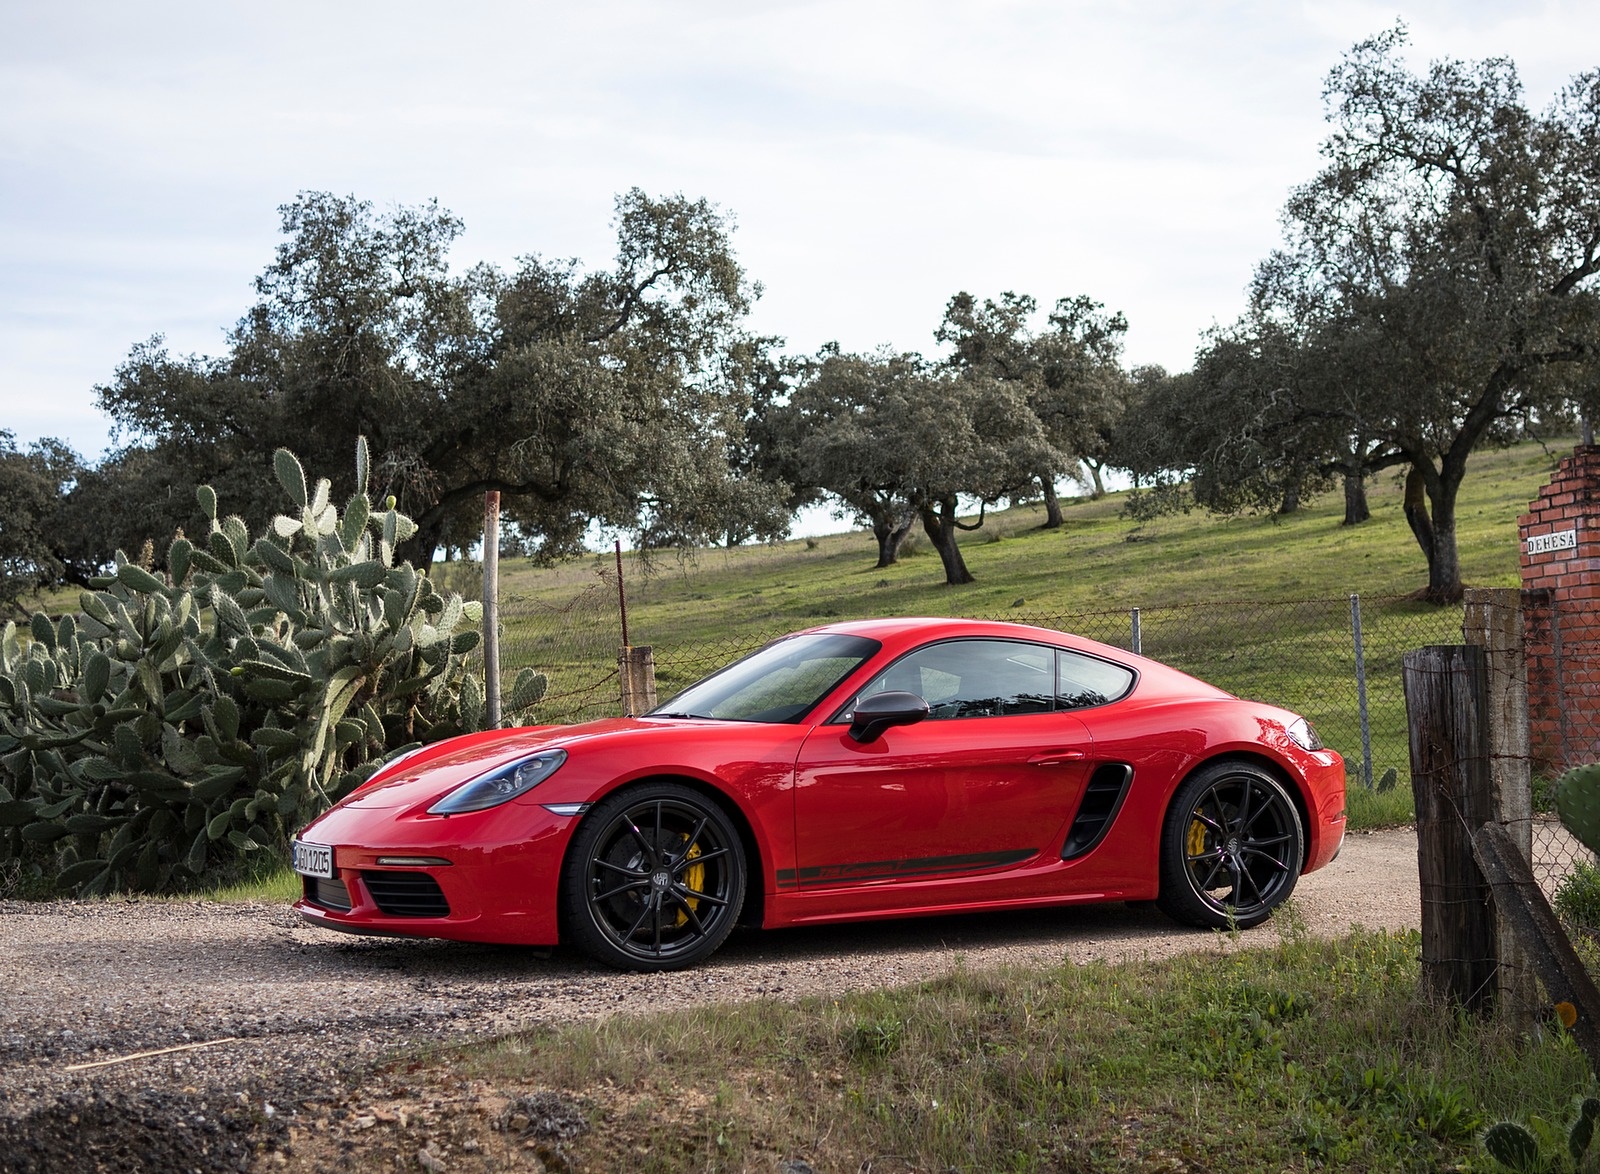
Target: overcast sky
878 157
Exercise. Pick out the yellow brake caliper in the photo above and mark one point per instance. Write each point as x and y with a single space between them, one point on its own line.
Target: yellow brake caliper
693 878
1197 839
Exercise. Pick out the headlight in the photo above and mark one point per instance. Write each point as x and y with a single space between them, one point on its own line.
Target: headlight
501 784
1304 736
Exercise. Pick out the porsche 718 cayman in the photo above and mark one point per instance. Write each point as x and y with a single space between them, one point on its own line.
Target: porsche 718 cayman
885 768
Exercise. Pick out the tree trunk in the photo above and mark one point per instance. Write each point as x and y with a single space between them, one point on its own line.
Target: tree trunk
892 536
420 548
1355 499
1291 500
1444 568
1430 506
890 532
1094 468
1052 503
1416 509
940 526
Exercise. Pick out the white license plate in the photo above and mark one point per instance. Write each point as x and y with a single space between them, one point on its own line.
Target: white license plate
311 859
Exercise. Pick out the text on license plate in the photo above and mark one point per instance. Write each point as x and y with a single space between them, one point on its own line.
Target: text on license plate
312 859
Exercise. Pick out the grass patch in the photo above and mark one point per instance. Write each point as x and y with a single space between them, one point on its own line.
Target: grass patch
271 881
1313 1054
1378 809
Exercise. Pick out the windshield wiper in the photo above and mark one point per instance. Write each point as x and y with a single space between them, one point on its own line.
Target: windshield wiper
672 713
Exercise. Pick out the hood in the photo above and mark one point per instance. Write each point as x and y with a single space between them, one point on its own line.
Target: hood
432 771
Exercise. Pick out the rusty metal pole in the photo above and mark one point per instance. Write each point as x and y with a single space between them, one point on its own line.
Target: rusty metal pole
622 596
491 609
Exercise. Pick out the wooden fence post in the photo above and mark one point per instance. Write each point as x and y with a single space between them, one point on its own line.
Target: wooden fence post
491 609
636 668
1527 915
1446 711
1493 621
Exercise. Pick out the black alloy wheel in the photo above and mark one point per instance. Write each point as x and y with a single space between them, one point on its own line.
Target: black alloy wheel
654 878
1231 848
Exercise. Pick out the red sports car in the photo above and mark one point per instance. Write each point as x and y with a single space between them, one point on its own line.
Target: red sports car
886 768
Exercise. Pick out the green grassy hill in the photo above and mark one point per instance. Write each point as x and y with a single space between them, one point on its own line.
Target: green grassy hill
1099 560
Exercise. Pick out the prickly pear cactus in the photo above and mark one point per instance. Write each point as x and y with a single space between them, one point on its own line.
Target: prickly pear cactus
1578 803
184 719
1513 1146
1537 1150
1582 1132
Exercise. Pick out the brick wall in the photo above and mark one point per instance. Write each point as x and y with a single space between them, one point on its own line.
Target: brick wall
1560 540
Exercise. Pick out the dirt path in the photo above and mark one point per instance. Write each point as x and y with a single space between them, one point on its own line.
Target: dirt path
81 982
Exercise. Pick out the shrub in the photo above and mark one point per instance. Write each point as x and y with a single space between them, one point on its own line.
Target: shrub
183 720
1578 899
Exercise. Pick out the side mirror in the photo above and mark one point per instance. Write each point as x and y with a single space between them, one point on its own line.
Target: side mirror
877 713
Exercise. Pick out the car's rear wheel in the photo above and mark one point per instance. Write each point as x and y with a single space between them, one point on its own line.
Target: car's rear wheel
654 878
1230 847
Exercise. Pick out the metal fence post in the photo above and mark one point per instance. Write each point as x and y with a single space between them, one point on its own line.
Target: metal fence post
1361 692
1138 640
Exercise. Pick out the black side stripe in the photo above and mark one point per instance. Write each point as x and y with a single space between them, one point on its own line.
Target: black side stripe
896 869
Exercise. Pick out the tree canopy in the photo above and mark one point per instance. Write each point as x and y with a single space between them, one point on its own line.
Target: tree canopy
899 440
612 396
1069 373
1435 292
1450 247
37 544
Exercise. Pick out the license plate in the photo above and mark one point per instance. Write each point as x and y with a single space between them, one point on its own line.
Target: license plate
311 859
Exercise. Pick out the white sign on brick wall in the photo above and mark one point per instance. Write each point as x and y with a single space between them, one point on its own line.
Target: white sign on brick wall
1560 540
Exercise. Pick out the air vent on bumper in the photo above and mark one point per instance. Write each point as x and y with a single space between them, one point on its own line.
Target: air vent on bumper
329 894
406 894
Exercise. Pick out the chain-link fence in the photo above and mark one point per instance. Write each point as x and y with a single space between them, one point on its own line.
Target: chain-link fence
574 643
1563 661
1337 661
1303 655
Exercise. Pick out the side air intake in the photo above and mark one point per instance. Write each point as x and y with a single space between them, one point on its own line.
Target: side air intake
1101 800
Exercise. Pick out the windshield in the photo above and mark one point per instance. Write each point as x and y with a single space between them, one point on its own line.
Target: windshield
779 683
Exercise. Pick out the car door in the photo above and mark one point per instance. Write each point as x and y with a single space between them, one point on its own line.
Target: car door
985 782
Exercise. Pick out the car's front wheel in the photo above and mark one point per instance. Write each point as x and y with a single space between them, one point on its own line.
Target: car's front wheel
1230 847
654 879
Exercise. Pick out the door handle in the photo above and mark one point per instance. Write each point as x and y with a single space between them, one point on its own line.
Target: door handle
1057 758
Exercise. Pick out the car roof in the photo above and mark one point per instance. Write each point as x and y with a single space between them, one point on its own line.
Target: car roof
903 632
933 627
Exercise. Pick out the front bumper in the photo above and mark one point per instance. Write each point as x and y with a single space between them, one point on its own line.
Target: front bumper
1325 784
490 876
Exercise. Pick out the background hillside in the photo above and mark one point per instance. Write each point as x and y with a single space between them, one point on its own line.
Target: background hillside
1099 560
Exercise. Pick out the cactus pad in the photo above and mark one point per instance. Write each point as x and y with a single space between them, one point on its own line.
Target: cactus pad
1513 1146
1578 804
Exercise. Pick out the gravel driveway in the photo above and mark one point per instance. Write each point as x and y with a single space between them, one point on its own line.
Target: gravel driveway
82 982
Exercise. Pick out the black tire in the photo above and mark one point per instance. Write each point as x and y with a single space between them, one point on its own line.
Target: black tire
1231 848
654 879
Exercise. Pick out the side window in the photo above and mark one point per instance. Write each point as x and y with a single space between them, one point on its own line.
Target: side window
976 678
1083 680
